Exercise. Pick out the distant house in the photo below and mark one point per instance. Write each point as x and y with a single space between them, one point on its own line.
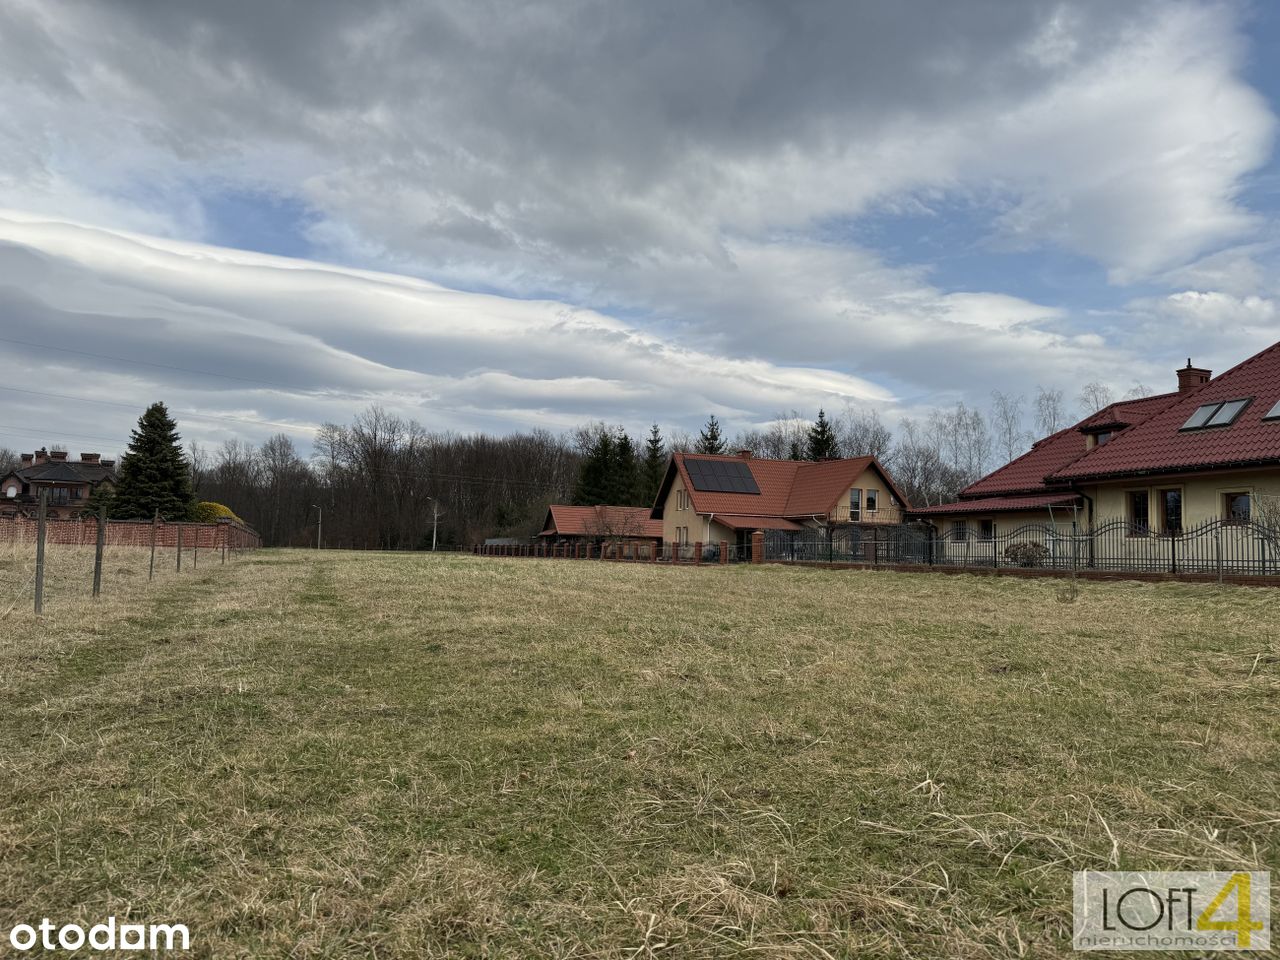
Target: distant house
709 499
70 483
591 524
1209 450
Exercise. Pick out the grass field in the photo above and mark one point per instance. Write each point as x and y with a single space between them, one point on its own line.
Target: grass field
354 755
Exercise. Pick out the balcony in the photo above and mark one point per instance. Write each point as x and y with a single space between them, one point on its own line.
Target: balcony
889 514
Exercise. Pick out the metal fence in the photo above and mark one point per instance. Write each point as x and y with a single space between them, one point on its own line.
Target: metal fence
1236 547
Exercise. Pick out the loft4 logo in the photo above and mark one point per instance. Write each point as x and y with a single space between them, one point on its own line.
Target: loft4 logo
1177 910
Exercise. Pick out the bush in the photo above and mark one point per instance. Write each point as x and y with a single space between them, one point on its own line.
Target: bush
1029 554
209 512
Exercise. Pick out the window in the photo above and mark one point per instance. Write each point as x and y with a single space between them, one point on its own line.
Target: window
1274 412
1238 506
1139 513
873 501
1171 511
1217 414
855 504
59 495
11 491
959 531
1103 437
988 529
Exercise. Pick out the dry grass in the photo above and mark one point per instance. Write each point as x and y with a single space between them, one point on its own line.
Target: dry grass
402 756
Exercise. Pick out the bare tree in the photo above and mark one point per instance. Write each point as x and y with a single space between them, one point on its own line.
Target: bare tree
614 527
1095 395
1011 438
9 460
861 433
1138 391
1051 411
679 441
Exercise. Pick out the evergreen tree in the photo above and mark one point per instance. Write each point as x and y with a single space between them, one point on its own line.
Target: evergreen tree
154 474
822 439
624 480
655 465
593 485
709 440
796 453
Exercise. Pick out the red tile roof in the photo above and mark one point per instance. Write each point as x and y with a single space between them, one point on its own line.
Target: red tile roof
1027 473
1000 504
757 523
1160 445
566 521
788 488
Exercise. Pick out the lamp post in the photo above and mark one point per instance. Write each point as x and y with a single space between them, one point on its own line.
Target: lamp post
319 523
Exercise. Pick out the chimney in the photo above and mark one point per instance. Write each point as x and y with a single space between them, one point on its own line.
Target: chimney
41 456
58 455
89 458
109 464
27 458
744 454
1190 377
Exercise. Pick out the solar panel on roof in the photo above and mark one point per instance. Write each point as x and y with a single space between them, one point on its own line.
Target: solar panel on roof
720 476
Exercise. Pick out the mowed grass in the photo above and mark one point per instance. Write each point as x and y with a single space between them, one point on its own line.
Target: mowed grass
354 755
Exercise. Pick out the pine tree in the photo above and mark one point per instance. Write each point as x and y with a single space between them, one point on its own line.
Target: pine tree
822 439
655 465
624 478
594 473
709 440
796 453
154 474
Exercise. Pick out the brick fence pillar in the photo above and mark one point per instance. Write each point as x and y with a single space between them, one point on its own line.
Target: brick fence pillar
757 546
724 551
655 548
697 552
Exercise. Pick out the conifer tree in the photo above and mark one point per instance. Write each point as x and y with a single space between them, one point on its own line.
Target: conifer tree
154 474
624 479
594 474
709 440
822 439
796 452
655 465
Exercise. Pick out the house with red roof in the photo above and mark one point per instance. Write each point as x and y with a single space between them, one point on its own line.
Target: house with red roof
571 524
712 499
1209 450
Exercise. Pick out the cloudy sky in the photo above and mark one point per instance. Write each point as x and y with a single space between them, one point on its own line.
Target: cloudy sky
493 216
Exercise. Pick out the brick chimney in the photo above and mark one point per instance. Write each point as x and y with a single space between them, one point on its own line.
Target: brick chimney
41 456
109 464
58 456
1190 377
27 458
89 458
745 454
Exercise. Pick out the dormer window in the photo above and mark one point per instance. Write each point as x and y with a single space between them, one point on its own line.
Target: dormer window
1217 414
1103 437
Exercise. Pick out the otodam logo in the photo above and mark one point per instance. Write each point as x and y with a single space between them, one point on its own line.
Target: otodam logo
1174 910
108 935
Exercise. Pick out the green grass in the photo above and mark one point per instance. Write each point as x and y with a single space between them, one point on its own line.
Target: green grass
398 756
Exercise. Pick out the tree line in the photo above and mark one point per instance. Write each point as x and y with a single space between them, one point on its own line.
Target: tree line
384 482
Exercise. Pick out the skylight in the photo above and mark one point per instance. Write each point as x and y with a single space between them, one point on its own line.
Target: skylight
1275 412
1217 414
1201 416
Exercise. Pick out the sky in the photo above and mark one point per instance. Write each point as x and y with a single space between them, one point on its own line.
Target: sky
497 216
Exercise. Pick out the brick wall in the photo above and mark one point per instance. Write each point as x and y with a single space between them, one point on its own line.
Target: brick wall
132 533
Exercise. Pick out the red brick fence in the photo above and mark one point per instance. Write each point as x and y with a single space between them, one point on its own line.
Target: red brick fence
133 533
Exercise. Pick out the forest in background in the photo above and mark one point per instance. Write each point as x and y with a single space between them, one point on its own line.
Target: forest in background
384 482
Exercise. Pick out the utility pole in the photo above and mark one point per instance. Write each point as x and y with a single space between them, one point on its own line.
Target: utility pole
435 521
319 524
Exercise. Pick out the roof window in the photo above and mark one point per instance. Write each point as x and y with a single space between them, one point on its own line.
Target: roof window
1217 414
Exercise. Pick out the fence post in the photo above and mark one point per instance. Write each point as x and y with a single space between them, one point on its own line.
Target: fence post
1217 549
40 531
179 547
151 570
757 546
195 550
97 550
724 551
1173 552
697 552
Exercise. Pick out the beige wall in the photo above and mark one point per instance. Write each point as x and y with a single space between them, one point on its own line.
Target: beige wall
674 518
1203 498
869 479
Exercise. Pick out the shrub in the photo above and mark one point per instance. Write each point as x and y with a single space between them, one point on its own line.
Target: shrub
209 512
1028 554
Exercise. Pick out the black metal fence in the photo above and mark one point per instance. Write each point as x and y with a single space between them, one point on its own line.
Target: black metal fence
1236 547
